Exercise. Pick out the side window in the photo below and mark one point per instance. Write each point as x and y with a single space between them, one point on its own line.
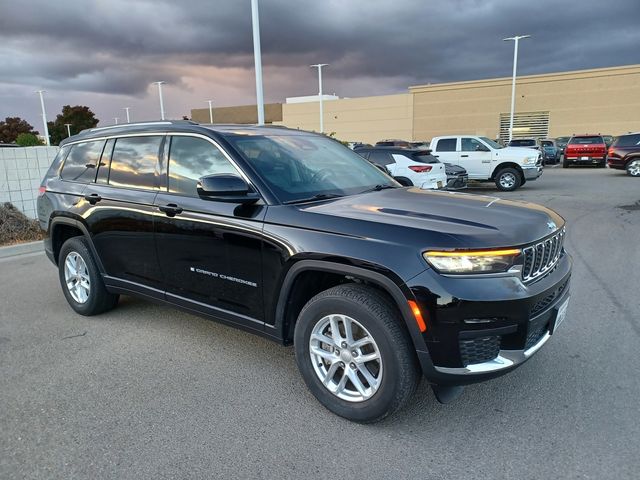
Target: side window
134 162
363 153
191 158
103 169
472 145
82 161
381 158
446 145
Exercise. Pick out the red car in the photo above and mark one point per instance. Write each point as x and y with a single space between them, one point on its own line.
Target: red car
585 150
624 154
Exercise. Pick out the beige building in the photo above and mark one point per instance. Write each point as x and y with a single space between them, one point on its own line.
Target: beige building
602 100
245 114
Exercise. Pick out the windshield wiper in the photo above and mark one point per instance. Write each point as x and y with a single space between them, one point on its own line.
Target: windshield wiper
378 187
320 196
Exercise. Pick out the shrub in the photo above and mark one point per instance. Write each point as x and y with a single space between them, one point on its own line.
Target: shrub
16 227
28 140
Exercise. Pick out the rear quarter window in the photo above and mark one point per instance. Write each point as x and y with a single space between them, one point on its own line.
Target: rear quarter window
81 162
446 145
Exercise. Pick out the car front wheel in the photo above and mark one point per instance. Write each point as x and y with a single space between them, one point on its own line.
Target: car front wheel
354 353
508 179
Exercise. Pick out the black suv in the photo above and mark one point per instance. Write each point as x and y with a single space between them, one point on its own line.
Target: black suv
293 236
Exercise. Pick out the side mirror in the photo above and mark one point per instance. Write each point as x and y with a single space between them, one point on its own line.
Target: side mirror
225 187
481 148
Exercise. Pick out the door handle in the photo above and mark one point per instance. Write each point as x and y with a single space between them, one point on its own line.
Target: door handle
92 198
464 155
437 156
171 209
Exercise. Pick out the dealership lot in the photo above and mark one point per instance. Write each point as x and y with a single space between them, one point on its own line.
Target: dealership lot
146 391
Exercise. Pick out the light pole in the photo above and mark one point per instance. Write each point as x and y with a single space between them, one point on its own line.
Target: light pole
319 67
68 125
116 120
515 39
126 109
257 58
210 102
44 118
161 102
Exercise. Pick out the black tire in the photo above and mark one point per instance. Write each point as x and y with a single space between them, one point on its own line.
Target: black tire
602 164
400 370
404 181
511 173
565 164
99 300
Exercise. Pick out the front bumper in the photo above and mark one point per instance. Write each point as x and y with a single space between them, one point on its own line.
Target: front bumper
532 173
481 328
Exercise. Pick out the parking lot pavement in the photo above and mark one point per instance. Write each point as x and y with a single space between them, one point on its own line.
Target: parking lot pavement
146 391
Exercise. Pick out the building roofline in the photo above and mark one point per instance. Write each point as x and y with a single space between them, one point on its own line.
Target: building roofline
538 78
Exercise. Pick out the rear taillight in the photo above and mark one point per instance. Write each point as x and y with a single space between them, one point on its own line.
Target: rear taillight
610 151
41 191
420 168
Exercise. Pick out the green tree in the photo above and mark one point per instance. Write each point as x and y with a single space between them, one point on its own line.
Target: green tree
28 140
11 127
79 117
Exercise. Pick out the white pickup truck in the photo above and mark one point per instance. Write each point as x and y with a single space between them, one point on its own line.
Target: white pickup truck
486 160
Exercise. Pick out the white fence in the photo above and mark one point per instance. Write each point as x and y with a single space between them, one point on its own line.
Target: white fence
21 171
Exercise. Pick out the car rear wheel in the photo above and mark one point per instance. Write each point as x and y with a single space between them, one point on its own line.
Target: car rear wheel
565 163
81 281
633 168
508 179
354 354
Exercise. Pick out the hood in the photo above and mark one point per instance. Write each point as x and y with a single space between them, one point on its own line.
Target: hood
460 220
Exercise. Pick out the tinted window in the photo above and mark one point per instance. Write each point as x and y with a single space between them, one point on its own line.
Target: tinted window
134 162
522 143
80 165
191 158
381 158
628 141
586 140
472 145
547 143
103 169
424 157
446 145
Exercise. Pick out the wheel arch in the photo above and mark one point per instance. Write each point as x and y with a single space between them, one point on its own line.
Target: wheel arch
504 165
289 306
63 228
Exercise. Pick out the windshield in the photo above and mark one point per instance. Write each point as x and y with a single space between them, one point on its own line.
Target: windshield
298 167
491 143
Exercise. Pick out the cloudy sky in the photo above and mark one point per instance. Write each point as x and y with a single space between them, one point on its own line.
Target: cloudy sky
106 53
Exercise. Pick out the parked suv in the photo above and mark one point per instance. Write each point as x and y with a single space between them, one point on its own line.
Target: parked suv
624 154
585 150
293 236
486 160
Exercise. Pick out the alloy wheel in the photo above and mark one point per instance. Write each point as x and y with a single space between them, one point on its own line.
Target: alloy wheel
76 276
634 168
507 180
345 358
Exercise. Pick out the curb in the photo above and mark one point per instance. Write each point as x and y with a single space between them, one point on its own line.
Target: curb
21 248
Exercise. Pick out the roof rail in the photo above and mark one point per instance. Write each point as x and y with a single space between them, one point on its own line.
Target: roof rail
142 124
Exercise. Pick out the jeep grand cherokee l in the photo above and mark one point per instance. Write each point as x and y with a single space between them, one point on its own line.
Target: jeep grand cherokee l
293 236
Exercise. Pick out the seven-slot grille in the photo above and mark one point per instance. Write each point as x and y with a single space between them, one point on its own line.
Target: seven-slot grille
542 257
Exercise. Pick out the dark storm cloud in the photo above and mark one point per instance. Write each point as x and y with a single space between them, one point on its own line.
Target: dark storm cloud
120 46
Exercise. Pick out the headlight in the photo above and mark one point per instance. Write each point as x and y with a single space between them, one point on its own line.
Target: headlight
472 261
530 160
